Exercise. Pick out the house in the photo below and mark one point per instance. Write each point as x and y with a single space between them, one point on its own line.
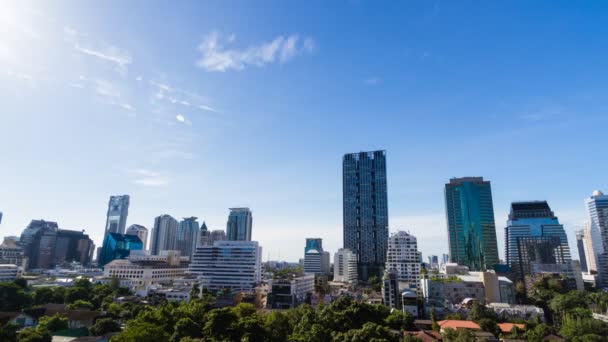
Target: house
425 335
485 336
506 328
78 318
21 319
457 324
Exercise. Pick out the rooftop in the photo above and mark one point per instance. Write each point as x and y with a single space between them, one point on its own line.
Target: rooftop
458 324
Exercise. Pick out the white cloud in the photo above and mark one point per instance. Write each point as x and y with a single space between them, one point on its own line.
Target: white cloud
216 57
207 108
148 178
182 119
110 54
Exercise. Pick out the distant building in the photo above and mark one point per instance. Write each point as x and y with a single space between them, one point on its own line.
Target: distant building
288 293
118 210
216 235
233 265
203 236
141 232
471 226
118 246
239 225
187 236
433 261
391 295
345 266
445 258
580 246
8 272
316 261
313 243
164 234
365 210
534 236
0 217
12 253
597 235
403 257
142 269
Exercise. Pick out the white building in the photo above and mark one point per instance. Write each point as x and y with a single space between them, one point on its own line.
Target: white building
140 231
316 262
143 269
8 272
345 266
234 265
596 246
402 256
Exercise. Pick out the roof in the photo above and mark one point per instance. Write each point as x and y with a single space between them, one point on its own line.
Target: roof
425 335
10 315
458 324
72 315
553 338
507 327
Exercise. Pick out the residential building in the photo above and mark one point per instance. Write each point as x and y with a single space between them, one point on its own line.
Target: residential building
234 265
345 266
580 246
534 236
164 234
8 272
404 258
12 253
288 293
216 235
143 269
316 261
597 217
118 210
187 236
239 224
141 232
470 220
409 303
365 210
118 246
391 296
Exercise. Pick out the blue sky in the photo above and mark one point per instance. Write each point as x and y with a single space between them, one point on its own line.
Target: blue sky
195 107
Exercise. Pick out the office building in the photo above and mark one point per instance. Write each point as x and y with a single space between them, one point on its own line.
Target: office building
365 210
0 217
12 253
216 235
187 236
445 258
313 243
433 261
404 259
597 228
345 266
580 246
118 246
239 225
118 210
141 232
234 265
287 293
470 220
391 296
73 246
534 235
8 272
143 269
164 234
316 262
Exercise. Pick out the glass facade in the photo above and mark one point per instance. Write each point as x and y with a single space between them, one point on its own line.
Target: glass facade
164 234
118 209
118 246
187 236
239 224
365 210
470 220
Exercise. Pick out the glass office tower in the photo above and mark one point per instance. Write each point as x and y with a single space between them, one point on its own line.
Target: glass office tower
116 218
239 224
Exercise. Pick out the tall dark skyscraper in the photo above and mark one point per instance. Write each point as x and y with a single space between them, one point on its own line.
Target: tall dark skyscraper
164 234
470 220
187 236
118 210
365 210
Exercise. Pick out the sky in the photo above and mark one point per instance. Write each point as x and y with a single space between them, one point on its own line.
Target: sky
193 107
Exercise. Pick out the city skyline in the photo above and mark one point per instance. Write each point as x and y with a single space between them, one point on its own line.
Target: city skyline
109 111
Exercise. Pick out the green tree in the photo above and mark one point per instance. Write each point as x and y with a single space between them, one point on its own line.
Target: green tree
74 293
13 297
460 335
52 323
536 332
34 335
220 323
8 332
370 332
435 325
103 326
43 295
81 304
399 320
21 282
573 328
186 327
278 327
489 325
138 331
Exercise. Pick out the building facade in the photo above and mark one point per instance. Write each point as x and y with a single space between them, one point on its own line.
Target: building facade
143 269
365 210
233 265
345 266
12 253
404 259
118 210
118 246
187 236
316 262
470 221
8 272
141 232
597 229
239 224
534 235
164 234
580 246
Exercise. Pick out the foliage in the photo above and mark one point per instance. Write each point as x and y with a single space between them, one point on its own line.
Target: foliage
52 323
460 335
103 326
13 297
34 335
21 282
450 279
573 328
375 283
399 320
81 304
8 332
369 332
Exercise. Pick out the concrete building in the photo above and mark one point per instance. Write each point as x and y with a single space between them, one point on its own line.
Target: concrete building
216 235
288 293
187 236
345 266
141 232
12 253
8 272
234 265
239 224
391 295
143 269
164 234
316 262
116 218
365 210
580 247
404 258
597 235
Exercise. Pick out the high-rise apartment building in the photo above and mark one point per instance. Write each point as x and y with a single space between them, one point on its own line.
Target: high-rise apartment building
140 231
187 236
216 235
365 210
164 234
118 210
345 266
118 246
580 246
404 259
534 236
470 221
597 227
239 225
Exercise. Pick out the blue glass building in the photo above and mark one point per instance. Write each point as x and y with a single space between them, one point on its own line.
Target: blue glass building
239 225
118 246
313 243
470 220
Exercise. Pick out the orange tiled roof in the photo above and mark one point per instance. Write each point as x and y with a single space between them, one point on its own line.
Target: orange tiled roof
507 327
458 324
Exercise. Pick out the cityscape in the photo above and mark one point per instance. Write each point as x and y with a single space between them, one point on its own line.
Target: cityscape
302 172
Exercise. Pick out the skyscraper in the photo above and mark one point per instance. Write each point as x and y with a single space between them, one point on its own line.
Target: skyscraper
345 266
313 243
204 236
118 246
470 220
118 209
239 224
580 246
316 261
404 259
597 217
141 232
163 234
187 236
365 210
216 235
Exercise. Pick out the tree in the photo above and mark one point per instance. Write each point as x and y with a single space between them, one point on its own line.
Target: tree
21 282
435 325
399 320
103 326
195 292
81 304
137 331
186 327
8 332
573 328
43 295
369 332
13 297
34 335
460 335
489 325
52 323
536 332
277 327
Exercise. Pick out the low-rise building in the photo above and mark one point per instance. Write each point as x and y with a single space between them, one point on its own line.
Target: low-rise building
506 311
8 272
288 293
345 266
145 269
